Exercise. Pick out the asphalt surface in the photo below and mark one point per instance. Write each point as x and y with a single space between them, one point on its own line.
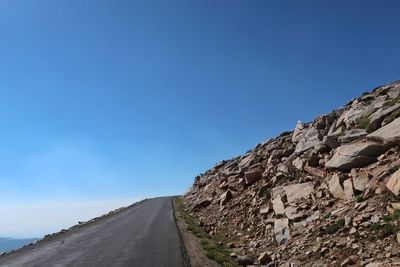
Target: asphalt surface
144 235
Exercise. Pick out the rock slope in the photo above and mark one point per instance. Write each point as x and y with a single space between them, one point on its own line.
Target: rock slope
325 194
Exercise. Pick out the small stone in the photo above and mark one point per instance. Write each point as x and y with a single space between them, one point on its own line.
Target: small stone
361 206
375 219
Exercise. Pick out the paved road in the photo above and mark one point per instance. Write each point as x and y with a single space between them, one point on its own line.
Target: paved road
144 235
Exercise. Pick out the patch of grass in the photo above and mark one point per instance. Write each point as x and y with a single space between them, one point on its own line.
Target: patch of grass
212 249
387 229
217 253
396 215
384 230
391 102
387 218
364 124
395 114
336 226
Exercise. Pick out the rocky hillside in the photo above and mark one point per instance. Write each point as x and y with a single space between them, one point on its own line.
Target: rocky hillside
324 194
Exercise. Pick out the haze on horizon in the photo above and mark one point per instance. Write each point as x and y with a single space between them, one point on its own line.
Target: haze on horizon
104 103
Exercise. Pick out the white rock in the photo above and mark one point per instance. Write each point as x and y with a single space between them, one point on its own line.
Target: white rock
394 183
278 206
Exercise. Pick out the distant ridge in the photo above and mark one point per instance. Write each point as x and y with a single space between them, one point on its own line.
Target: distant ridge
8 244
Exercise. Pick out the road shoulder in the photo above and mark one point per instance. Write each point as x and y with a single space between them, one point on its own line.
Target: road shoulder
193 246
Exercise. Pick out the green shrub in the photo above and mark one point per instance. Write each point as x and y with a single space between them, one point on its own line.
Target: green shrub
387 230
336 226
391 102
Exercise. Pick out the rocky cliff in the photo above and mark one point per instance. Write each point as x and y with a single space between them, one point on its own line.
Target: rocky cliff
324 194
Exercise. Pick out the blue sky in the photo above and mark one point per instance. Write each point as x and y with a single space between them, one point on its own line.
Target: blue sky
118 100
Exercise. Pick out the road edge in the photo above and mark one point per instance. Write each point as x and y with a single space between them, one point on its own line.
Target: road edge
192 246
182 244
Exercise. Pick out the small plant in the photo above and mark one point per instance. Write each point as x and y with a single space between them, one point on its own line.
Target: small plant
364 124
376 227
387 230
392 116
391 102
387 218
396 215
384 230
336 226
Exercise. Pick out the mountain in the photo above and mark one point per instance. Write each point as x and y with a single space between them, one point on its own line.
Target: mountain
324 194
7 244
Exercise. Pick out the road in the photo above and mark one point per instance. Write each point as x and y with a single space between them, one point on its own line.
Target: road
144 235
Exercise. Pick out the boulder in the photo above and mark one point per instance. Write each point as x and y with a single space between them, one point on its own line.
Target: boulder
394 183
360 180
355 155
278 206
309 139
377 118
298 163
315 171
252 176
297 191
275 156
330 141
245 162
353 115
348 189
225 197
281 230
201 205
298 132
335 187
352 135
388 134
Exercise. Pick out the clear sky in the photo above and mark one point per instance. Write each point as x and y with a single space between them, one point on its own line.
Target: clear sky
112 101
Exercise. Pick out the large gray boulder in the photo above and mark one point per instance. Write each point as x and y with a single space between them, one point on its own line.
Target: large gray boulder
355 155
388 134
309 139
